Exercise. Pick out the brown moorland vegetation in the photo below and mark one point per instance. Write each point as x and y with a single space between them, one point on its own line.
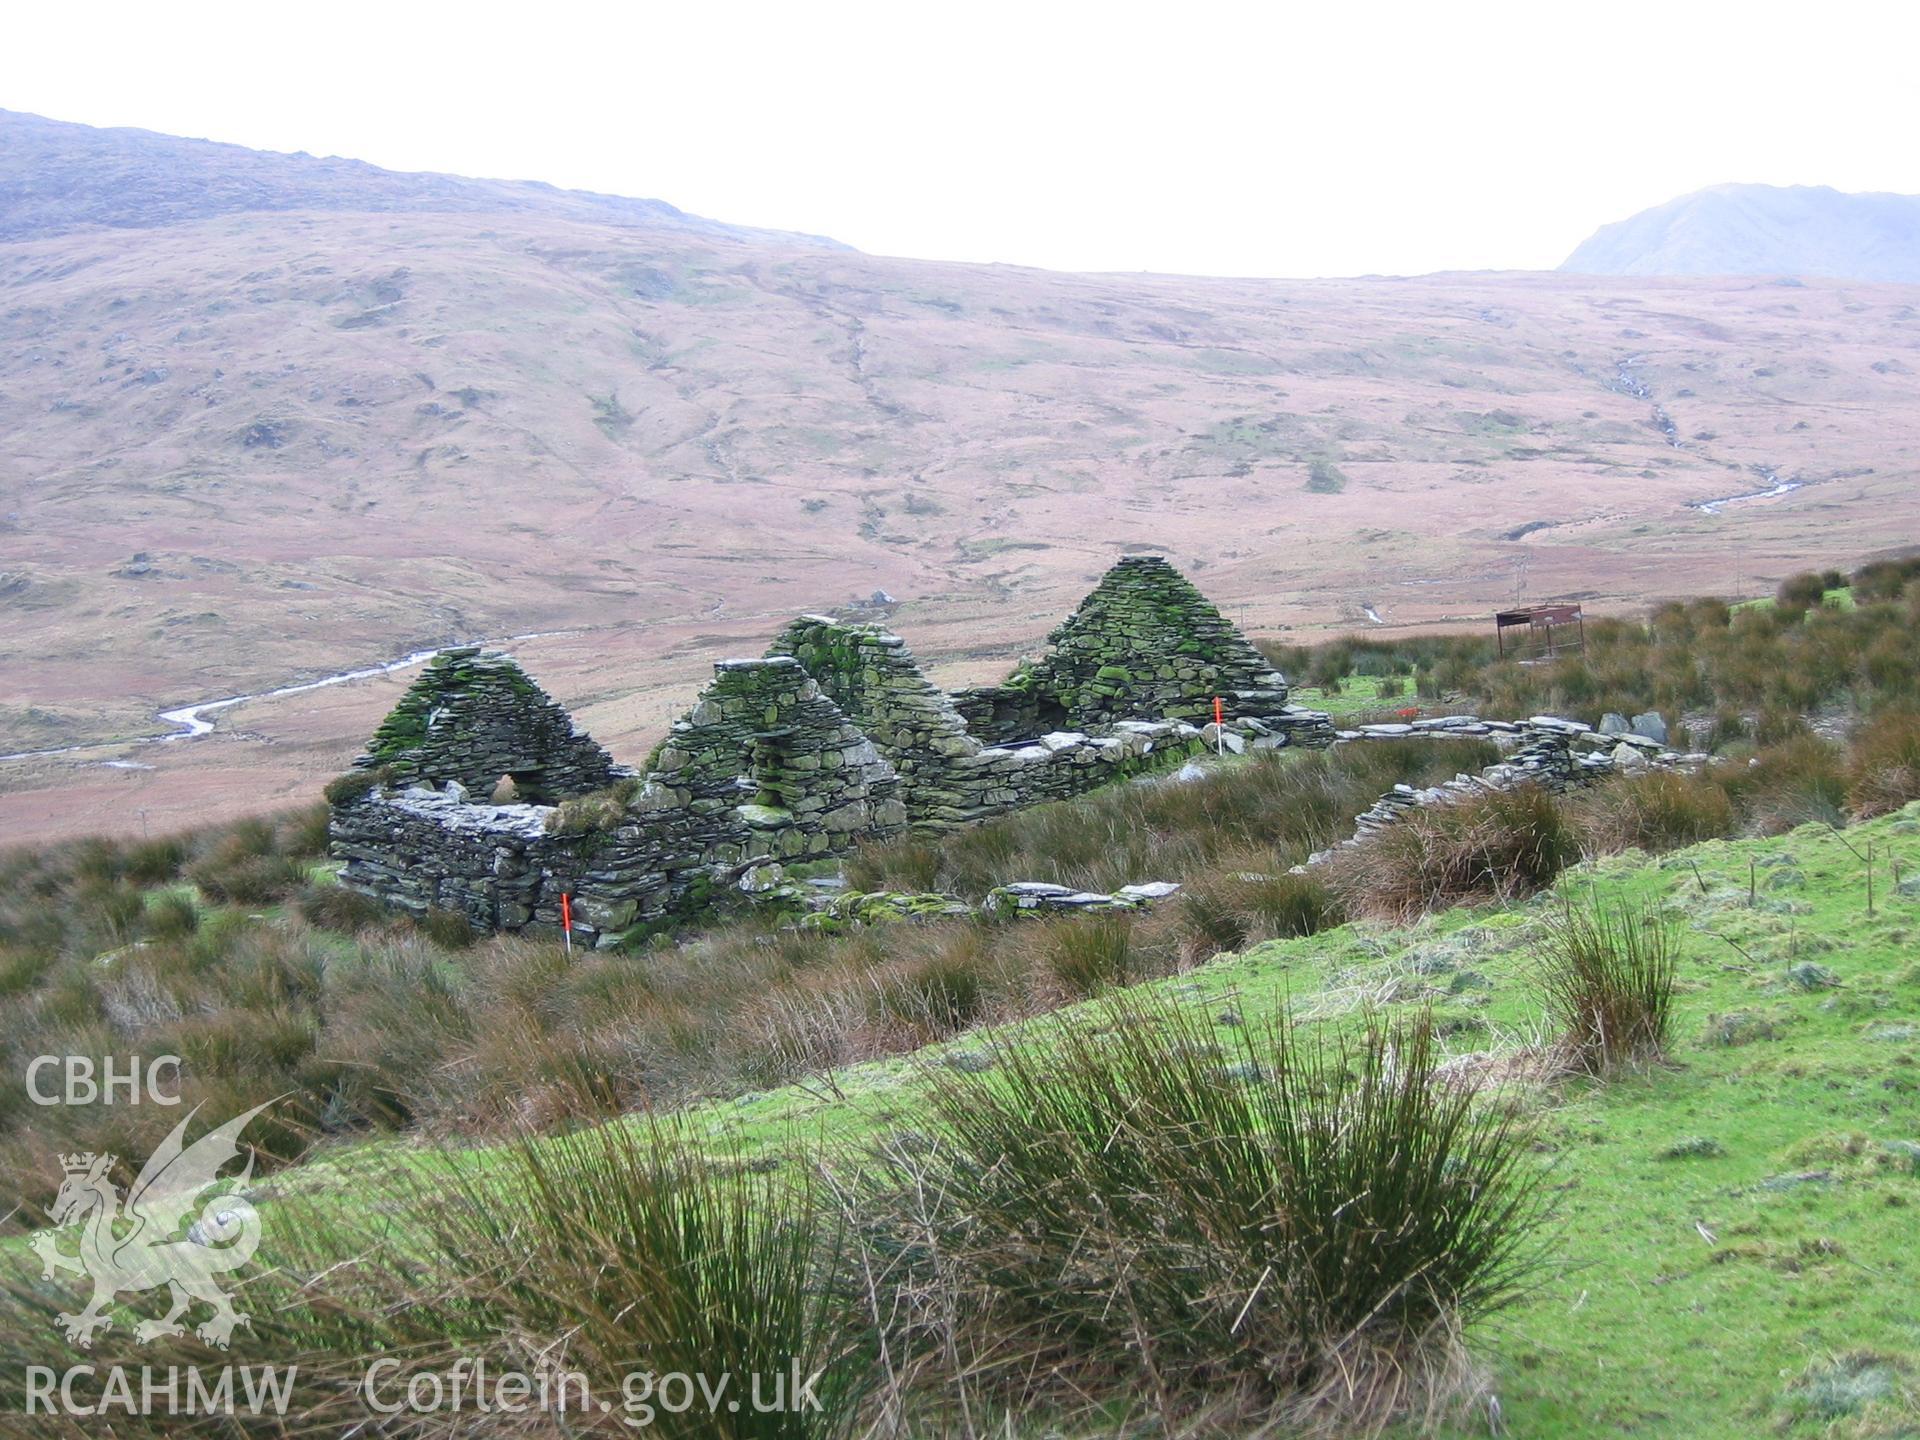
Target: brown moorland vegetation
341 435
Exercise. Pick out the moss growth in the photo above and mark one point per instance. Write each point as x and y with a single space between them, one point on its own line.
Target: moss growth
599 812
1146 644
357 784
470 711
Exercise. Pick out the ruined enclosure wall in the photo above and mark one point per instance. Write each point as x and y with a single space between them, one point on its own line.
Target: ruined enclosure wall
474 716
764 735
1010 714
501 867
833 738
949 778
1057 766
1543 755
764 769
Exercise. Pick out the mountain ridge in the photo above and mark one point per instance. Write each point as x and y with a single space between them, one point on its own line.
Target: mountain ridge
154 179
1744 229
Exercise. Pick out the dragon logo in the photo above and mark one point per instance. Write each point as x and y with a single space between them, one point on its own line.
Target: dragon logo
131 1247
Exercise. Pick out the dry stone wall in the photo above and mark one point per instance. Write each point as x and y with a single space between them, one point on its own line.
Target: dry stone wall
872 676
834 737
949 777
418 849
473 717
1555 754
762 770
765 740
1144 644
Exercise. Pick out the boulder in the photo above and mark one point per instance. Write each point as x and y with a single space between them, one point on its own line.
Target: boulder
758 879
1150 890
1651 725
1220 737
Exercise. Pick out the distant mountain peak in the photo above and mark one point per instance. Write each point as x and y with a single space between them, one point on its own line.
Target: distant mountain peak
1763 230
57 177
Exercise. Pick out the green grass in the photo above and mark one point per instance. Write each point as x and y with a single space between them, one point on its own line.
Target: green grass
1372 696
1837 599
235 950
1761 667
1255 1224
1732 1247
1642 1324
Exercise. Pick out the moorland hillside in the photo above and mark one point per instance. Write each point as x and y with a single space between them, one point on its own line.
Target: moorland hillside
253 446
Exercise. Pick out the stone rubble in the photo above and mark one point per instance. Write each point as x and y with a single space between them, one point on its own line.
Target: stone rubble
1543 752
1037 897
1024 897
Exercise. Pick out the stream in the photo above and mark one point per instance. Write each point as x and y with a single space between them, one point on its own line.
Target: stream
192 721
1775 487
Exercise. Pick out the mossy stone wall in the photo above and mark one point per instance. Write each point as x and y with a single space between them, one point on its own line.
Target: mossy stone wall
763 770
474 716
835 736
949 778
764 735
1147 644
871 675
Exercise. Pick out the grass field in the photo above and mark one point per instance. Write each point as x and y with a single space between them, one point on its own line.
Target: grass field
1731 1249
1360 696
1786 1127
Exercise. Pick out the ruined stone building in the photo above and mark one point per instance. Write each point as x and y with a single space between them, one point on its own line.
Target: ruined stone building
834 737
1145 644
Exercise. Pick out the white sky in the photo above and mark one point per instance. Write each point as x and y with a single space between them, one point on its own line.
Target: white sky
1281 139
